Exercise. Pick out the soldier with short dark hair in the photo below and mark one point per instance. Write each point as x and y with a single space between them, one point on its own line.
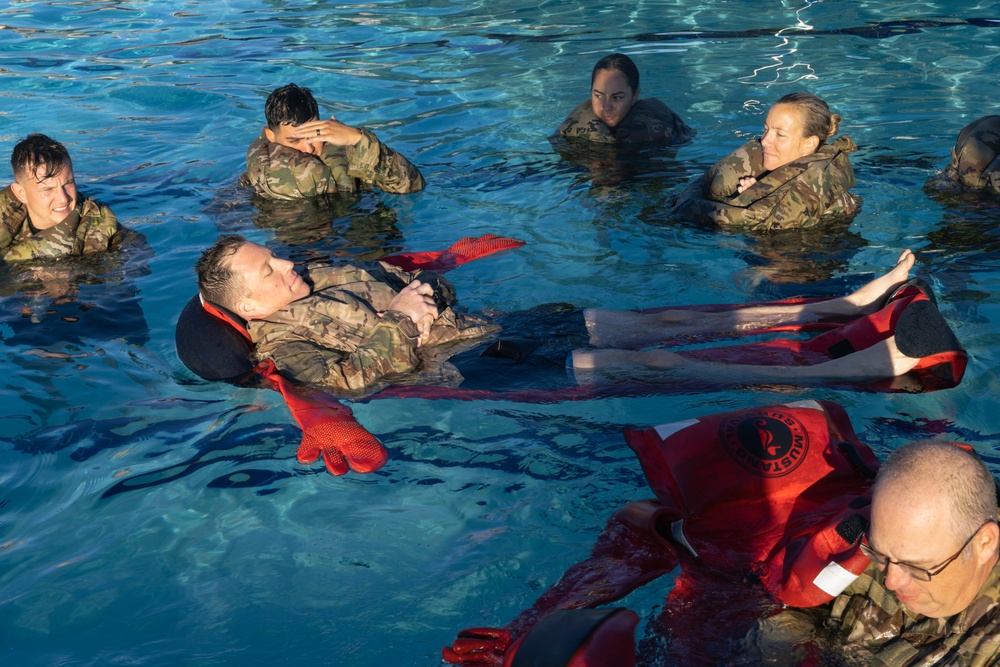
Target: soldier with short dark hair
41 212
298 156
615 114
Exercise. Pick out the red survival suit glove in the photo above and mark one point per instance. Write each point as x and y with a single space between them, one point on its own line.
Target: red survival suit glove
477 647
328 428
461 251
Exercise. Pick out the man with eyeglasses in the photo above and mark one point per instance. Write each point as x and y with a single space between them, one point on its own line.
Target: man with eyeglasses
931 595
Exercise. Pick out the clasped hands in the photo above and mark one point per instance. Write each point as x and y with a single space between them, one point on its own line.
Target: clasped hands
416 301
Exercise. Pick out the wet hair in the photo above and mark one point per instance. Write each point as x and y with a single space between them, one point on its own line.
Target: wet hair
291 105
217 282
37 152
618 62
817 121
963 476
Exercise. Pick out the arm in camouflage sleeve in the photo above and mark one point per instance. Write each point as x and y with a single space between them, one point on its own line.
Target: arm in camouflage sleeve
390 348
444 291
56 241
99 229
724 176
373 162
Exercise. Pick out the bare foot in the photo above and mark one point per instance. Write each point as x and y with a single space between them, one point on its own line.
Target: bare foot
869 297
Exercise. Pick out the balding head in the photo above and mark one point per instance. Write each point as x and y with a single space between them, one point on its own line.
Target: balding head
934 512
945 473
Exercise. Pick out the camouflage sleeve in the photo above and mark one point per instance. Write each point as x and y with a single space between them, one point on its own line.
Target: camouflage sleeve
373 162
278 172
99 228
651 120
56 241
12 217
801 206
389 349
444 291
724 176
584 124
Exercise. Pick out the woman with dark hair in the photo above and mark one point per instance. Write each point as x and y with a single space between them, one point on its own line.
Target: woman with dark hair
614 113
791 177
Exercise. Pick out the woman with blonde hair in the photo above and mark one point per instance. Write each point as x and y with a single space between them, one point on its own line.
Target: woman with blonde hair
791 177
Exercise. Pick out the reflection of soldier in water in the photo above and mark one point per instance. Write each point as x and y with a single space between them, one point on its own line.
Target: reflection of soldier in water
355 224
967 190
46 303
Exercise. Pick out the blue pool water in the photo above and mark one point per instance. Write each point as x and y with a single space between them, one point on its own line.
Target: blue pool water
149 518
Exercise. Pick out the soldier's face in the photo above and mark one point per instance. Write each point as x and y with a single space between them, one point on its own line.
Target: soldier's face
272 283
285 135
920 532
48 200
611 97
784 139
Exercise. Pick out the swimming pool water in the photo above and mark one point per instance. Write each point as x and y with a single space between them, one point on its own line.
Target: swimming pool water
149 518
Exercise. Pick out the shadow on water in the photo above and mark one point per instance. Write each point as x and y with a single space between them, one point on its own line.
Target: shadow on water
875 30
969 231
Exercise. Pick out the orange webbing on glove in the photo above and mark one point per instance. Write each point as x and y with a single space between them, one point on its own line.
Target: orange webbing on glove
461 251
328 428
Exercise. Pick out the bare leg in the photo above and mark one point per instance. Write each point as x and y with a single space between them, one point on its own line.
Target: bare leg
880 361
629 329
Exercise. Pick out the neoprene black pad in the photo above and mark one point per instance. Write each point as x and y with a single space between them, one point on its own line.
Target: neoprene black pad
210 348
921 331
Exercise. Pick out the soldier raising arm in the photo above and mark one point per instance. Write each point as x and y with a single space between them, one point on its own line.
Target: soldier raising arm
298 156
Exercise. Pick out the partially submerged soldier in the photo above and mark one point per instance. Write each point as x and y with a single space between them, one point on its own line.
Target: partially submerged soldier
41 212
615 114
791 177
931 595
357 327
975 159
298 156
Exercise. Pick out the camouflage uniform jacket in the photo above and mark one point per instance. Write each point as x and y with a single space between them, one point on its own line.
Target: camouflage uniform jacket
341 336
649 119
870 615
278 172
90 227
798 194
975 160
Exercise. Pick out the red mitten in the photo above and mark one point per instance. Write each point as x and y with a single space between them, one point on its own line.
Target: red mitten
462 251
478 647
341 441
328 428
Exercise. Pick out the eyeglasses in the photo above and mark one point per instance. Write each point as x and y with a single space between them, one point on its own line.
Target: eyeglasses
918 573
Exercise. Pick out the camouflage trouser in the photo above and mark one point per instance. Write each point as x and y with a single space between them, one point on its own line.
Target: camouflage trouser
530 353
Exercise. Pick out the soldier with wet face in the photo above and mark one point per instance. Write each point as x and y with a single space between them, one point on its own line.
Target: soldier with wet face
298 156
41 212
615 114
